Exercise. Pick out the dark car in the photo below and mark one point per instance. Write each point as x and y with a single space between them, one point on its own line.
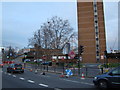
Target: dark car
47 63
109 79
15 68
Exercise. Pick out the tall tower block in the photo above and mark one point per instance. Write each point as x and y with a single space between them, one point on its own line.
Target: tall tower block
91 30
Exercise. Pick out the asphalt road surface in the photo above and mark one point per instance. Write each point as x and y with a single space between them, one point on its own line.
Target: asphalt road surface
50 80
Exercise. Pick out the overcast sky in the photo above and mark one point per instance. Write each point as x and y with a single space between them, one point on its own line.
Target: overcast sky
21 19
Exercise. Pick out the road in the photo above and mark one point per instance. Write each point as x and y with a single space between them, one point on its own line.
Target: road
50 80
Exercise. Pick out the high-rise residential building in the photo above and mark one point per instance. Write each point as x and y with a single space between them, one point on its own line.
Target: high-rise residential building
91 30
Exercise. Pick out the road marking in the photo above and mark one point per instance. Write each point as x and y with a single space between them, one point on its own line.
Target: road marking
44 76
14 76
78 82
5 73
9 74
31 81
71 81
87 83
22 78
43 85
57 89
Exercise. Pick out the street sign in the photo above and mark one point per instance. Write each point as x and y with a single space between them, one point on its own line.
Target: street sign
69 72
62 58
72 54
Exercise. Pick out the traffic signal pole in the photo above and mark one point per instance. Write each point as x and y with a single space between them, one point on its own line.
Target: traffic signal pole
80 51
106 60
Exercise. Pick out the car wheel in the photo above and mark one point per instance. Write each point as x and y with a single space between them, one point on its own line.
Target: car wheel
22 71
103 84
8 71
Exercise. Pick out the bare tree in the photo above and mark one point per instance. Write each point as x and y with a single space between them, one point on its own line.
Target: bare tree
53 34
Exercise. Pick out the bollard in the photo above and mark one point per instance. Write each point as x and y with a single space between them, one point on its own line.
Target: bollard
62 75
31 70
83 77
36 71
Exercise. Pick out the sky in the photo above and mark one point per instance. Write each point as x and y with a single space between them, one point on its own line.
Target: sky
21 19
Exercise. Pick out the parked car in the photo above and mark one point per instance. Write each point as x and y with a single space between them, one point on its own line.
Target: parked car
27 60
47 63
108 79
15 68
38 60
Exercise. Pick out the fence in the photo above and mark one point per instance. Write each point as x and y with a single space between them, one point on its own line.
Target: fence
88 71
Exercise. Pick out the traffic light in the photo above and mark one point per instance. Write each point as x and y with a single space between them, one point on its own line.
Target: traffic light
66 56
105 53
2 50
81 49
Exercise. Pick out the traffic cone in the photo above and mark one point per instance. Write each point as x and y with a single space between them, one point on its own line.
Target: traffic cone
83 77
62 75
31 70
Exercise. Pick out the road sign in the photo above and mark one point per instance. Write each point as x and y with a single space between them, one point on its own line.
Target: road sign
72 54
69 72
62 58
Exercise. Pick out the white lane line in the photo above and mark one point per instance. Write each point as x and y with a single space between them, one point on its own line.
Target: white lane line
57 89
5 72
71 81
87 83
44 76
9 74
22 78
14 76
43 85
31 81
77 82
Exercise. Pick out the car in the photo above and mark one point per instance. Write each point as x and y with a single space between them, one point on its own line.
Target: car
108 79
15 68
47 63
27 60
38 60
